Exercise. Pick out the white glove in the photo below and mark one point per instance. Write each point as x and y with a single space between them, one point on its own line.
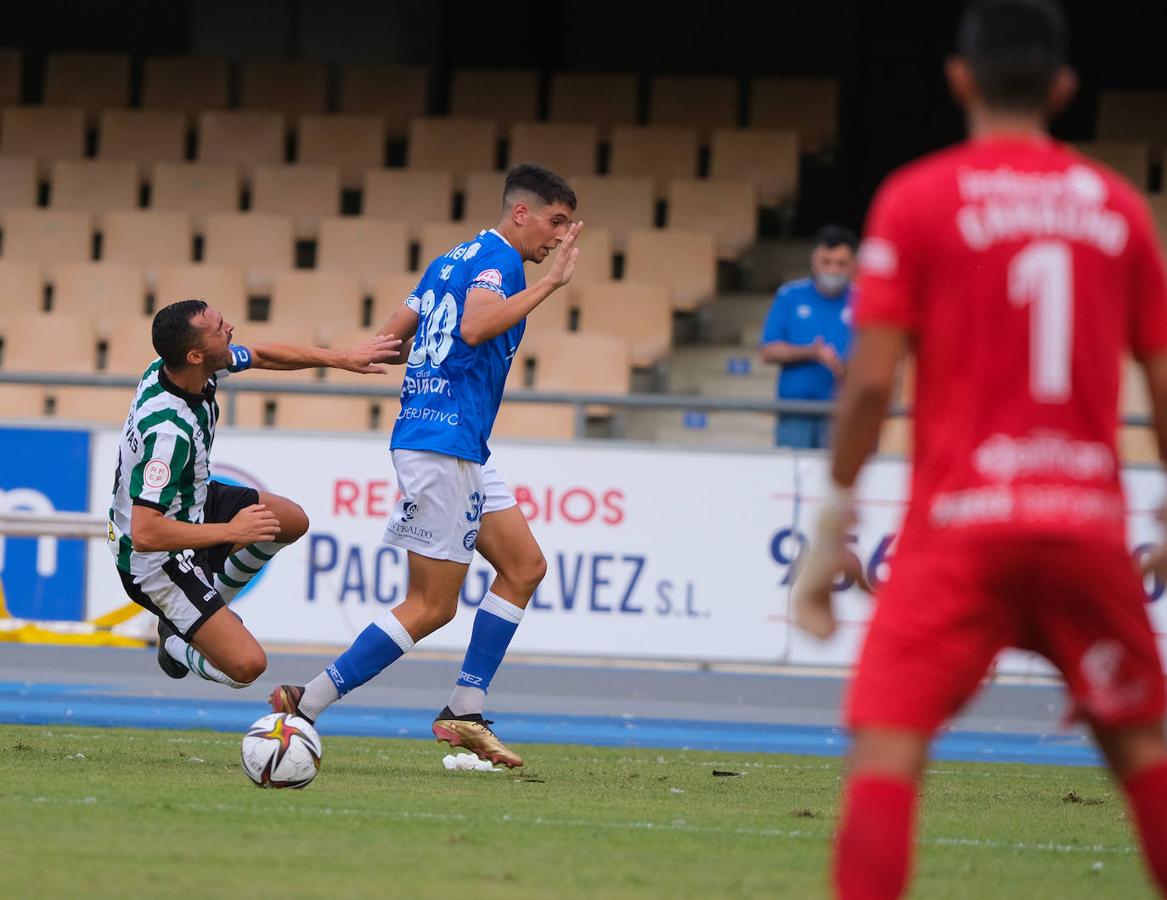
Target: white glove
823 561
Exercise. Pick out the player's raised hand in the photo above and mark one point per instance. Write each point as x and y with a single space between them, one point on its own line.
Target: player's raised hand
363 358
254 523
824 560
564 265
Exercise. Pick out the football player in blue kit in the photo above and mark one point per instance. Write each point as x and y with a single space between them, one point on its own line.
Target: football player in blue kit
466 318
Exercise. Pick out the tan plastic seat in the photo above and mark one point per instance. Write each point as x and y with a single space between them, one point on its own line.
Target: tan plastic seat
456 146
701 101
45 133
144 136
18 182
309 413
603 99
352 143
246 138
808 106
251 406
201 189
1131 159
363 247
1134 116
324 301
293 88
221 286
541 421
48 235
100 292
395 93
587 363
439 238
1158 205
726 207
552 316
147 238
638 311
190 84
686 261
48 343
11 77
565 149
389 293
618 203
1134 398
21 401
259 243
767 157
594 265
661 152
895 436
22 288
94 185
129 350
500 95
408 196
304 193
96 405
482 200
93 81
1138 445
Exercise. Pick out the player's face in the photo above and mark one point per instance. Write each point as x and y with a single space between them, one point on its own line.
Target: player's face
547 227
214 339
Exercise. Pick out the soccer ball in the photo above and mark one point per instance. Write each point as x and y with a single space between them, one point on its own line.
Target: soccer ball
281 751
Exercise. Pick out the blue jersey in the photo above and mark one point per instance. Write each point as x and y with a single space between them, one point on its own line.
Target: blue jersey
451 391
798 315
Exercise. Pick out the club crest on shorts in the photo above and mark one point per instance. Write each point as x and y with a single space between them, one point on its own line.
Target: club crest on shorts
408 510
470 539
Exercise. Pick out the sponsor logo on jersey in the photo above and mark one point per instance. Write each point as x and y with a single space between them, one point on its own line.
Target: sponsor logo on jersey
490 276
411 386
156 474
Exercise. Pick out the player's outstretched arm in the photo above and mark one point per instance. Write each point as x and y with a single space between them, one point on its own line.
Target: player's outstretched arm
487 315
402 324
151 531
364 357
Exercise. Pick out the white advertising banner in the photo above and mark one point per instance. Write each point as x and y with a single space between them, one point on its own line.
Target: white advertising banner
651 553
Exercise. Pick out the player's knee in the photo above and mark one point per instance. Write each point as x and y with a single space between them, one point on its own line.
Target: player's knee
442 616
533 571
293 523
248 666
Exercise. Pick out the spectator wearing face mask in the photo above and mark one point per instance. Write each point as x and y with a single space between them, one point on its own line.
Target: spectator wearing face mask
808 334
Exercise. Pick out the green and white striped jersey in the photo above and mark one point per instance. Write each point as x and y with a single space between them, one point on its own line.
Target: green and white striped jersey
164 459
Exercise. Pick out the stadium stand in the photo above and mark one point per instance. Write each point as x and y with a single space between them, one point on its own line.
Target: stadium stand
457 146
198 188
704 102
22 285
147 238
94 185
144 136
317 300
259 243
352 143
11 76
603 99
292 88
48 235
660 152
18 182
1130 159
221 286
768 157
808 106
408 196
189 84
726 207
45 133
641 312
567 149
304 193
684 261
503 96
398 94
365 247
482 200
245 138
92 81
619 203
103 293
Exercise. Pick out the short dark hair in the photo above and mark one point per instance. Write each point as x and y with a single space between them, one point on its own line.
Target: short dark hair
831 236
1014 48
172 333
541 182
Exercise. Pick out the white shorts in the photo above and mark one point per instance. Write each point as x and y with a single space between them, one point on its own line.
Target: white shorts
443 500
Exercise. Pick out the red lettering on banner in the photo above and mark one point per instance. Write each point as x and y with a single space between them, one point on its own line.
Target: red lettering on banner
373 499
575 506
613 514
344 496
375 504
573 512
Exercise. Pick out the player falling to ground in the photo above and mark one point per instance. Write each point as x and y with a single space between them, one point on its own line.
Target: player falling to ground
1021 272
185 545
466 317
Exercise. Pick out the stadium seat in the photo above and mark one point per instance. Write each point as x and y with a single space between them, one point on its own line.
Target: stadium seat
618 203
726 207
541 421
18 184
684 260
408 196
1130 159
364 247
603 99
48 235
93 81
1134 116
501 95
388 385
48 343
565 148
1137 444
389 292
352 143
259 243
250 406
245 138
94 185
22 287
439 238
100 292
768 157
808 106
293 88
304 193
456 146
661 152
147 238
11 77
1134 398
309 413
395 93
895 436
21 401
96 405
701 101
482 199
552 316
200 189
323 301
189 84
587 363
593 266
144 136
223 287
638 311
1158 205
45 133
129 349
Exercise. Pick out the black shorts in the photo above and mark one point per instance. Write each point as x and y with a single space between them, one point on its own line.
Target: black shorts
182 591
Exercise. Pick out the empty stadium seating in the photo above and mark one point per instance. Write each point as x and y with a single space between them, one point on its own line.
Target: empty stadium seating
11 77
768 157
700 101
808 106
364 247
482 200
1129 158
439 238
147 238
94 185
92 81
683 260
565 148
22 287
618 203
457 146
44 133
47 235
603 99
304 193
501 95
220 286
395 93
661 152
292 88
103 293
640 312
198 188
245 138
1139 116
322 301
258 243
389 293
18 182
189 84
408 196
541 421
352 143
726 207
144 136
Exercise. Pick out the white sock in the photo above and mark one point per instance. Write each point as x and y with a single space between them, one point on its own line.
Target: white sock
319 694
186 654
467 700
242 566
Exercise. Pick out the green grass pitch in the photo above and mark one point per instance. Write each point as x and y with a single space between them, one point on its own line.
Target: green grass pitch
119 813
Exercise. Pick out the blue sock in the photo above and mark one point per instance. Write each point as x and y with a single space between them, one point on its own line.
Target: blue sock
494 626
379 645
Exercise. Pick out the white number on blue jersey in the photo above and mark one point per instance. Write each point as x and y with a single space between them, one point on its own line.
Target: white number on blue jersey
435 329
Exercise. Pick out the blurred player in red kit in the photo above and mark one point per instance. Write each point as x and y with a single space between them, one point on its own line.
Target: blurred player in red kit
1019 273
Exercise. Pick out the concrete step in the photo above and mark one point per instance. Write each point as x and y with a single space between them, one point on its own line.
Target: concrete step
724 320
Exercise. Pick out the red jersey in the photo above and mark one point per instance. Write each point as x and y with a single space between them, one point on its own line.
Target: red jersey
1023 272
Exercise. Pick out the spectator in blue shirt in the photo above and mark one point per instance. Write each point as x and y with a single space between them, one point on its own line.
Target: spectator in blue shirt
808 333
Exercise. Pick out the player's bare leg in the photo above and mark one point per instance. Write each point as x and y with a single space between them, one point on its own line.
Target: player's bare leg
227 646
246 560
873 845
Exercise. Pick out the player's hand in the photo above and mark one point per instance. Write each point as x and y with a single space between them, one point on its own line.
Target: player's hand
363 358
253 524
565 256
1154 562
820 565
